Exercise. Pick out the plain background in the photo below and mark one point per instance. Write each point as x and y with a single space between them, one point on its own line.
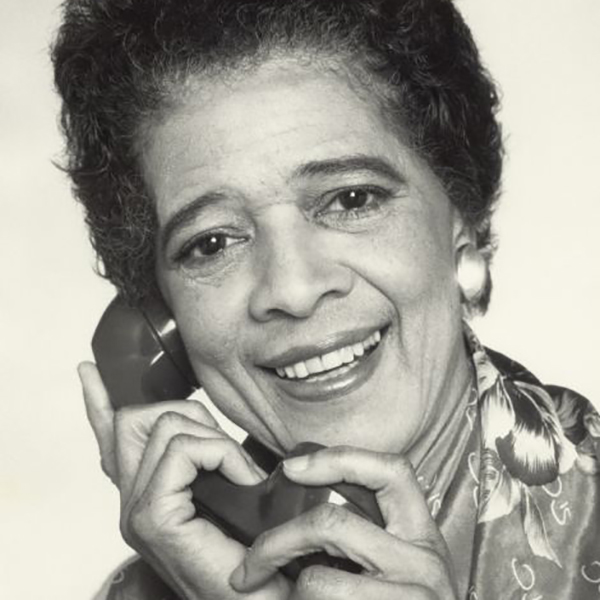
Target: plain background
58 514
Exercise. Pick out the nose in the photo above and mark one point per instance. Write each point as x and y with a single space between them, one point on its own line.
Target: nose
296 271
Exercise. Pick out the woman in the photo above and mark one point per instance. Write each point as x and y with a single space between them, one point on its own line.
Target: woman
309 187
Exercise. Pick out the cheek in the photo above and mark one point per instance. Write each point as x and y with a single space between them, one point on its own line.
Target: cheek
410 259
209 319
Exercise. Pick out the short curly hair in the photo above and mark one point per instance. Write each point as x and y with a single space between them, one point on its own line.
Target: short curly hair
116 63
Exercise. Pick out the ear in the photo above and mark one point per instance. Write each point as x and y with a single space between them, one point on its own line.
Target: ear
471 266
462 234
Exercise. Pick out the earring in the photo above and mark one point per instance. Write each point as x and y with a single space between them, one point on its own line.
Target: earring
471 272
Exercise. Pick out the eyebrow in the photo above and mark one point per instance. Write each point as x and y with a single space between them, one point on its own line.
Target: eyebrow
319 168
350 164
186 215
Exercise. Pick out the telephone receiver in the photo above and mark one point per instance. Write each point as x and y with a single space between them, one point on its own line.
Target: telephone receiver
142 359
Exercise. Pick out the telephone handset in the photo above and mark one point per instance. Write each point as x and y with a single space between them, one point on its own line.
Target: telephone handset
142 359
140 354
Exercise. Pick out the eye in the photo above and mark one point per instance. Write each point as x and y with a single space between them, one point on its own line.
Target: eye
206 247
352 199
210 244
354 202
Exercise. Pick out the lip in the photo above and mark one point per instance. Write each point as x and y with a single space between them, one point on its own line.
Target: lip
321 389
334 342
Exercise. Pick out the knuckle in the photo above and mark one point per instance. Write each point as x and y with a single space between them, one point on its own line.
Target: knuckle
200 413
143 521
129 418
259 547
338 453
139 519
228 450
133 524
178 443
311 581
230 446
327 517
397 463
167 422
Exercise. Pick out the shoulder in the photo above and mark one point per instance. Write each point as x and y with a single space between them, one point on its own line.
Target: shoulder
539 479
135 580
562 411
580 422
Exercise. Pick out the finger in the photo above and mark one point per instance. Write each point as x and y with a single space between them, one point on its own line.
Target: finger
133 428
323 583
170 424
166 504
100 414
341 534
390 476
167 425
187 454
203 550
140 419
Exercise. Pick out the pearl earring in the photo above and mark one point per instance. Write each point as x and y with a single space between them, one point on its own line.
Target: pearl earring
471 272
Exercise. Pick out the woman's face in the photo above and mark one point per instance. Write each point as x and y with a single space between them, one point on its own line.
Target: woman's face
308 257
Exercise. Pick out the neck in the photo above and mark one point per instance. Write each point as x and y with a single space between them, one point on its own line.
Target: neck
446 420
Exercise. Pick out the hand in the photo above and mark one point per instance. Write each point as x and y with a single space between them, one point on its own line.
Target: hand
153 453
407 560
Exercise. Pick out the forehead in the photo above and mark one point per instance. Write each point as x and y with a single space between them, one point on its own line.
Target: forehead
266 122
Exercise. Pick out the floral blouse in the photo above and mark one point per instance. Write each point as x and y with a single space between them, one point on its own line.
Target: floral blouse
524 491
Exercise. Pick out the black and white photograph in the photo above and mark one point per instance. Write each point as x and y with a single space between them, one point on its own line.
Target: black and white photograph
300 300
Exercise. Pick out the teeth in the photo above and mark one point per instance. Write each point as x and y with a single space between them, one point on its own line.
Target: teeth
331 360
358 349
315 365
301 370
347 354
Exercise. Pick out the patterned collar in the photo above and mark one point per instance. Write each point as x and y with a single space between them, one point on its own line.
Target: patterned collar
530 434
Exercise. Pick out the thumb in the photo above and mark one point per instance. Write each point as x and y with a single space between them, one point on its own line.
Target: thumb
100 414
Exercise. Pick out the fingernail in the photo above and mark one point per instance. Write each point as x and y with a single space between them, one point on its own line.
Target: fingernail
296 464
259 472
236 580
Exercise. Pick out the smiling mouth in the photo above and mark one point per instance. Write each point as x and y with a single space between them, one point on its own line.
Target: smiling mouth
333 363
